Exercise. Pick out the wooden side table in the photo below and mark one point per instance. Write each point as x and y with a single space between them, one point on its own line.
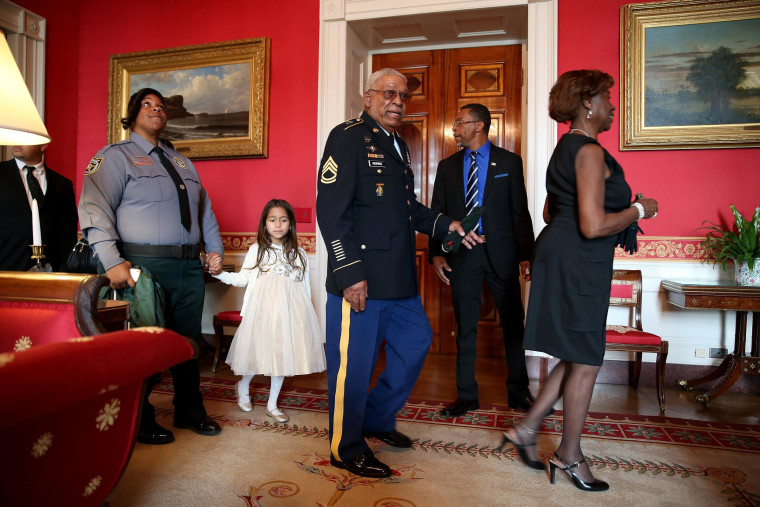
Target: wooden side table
722 296
113 314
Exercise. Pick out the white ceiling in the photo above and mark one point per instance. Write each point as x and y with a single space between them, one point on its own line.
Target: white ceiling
462 28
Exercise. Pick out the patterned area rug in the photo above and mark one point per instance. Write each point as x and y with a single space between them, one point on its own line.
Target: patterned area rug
254 462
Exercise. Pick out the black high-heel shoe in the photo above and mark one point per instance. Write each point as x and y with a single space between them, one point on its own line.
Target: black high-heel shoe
595 485
532 463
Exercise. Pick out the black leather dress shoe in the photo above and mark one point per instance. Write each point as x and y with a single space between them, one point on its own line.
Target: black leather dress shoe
364 465
154 434
525 402
393 437
459 407
203 426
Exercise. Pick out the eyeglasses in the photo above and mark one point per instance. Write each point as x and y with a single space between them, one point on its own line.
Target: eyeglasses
459 123
392 94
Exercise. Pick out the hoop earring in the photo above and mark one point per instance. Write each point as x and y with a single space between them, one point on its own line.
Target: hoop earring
590 113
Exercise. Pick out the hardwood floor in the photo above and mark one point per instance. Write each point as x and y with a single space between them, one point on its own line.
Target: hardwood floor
437 383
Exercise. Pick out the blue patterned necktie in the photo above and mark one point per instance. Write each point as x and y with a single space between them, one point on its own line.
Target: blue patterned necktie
471 198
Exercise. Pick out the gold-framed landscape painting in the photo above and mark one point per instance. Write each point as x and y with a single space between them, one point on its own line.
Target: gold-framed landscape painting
217 96
690 74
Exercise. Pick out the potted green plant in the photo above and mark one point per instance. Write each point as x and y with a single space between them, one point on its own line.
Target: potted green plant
742 247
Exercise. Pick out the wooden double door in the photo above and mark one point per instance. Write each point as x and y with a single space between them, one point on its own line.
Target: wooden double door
442 81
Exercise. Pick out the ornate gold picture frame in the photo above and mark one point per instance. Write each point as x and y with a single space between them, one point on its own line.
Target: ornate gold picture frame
217 96
690 75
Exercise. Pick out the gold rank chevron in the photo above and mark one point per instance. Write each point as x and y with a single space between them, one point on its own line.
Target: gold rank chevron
329 172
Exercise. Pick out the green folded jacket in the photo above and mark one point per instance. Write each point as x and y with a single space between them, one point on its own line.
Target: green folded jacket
453 240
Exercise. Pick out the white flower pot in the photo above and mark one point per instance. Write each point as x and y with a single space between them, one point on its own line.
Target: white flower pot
743 275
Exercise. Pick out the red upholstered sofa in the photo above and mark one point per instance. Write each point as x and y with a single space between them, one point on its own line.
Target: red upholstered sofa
69 404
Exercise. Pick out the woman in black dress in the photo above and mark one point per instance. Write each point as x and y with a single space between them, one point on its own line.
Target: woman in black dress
588 208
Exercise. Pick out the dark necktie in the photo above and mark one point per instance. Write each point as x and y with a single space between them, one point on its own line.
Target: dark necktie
34 186
471 198
184 202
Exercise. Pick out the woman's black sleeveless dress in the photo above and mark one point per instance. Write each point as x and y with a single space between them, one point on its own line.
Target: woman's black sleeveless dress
571 275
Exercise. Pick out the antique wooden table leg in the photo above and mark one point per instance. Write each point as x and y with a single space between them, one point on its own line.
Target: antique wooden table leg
729 370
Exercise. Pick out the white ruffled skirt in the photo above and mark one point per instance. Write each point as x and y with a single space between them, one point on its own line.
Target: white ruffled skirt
279 334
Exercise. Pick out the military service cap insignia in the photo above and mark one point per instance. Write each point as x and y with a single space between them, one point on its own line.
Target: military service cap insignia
180 162
329 172
93 166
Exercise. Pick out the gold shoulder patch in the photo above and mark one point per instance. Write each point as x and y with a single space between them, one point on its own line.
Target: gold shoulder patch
329 171
353 123
93 166
180 162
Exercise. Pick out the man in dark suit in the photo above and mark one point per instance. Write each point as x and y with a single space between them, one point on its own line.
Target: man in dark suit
22 178
368 215
484 174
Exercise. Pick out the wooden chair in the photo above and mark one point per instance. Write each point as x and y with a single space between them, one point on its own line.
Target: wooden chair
222 319
626 291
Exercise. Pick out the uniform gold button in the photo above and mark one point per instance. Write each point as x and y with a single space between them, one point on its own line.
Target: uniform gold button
364 247
410 218
379 171
408 203
407 187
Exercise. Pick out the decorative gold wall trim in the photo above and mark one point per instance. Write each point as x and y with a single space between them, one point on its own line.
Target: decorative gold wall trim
665 248
242 241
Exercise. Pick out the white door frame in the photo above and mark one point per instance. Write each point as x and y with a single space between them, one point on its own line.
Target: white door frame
338 50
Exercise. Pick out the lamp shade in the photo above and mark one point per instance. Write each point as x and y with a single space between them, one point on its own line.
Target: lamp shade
20 123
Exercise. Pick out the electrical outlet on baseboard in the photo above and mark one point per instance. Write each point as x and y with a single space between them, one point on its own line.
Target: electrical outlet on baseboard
718 352
700 352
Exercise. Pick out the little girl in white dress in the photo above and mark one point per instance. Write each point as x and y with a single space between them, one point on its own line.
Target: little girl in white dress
279 335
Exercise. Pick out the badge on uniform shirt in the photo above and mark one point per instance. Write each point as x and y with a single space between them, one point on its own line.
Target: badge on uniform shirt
329 171
180 162
372 148
375 155
142 161
379 189
367 139
375 130
93 166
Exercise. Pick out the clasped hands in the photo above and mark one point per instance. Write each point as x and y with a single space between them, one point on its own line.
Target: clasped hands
356 294
120 276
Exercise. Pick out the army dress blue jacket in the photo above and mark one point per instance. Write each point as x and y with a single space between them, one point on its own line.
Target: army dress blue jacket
368 212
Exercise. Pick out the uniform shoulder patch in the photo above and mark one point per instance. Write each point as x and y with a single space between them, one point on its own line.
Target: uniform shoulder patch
329 171
93 166
180 162
353 123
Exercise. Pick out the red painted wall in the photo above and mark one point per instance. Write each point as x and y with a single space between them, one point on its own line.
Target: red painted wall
690 185
79 48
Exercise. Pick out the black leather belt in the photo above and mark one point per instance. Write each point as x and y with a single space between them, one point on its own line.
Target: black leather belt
174 251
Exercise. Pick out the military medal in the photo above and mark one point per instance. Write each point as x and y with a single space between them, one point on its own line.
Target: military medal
379 189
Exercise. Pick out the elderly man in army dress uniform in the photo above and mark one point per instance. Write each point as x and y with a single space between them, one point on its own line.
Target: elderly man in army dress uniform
143 203
368 214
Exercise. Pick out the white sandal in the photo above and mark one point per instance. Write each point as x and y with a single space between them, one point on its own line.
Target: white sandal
278 415
243 400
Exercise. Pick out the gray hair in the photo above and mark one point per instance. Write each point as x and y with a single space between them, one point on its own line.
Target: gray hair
375 76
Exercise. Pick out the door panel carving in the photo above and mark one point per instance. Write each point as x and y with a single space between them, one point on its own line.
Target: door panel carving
441 82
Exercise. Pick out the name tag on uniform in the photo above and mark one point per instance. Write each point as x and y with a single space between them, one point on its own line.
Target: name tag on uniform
376 163
142 161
